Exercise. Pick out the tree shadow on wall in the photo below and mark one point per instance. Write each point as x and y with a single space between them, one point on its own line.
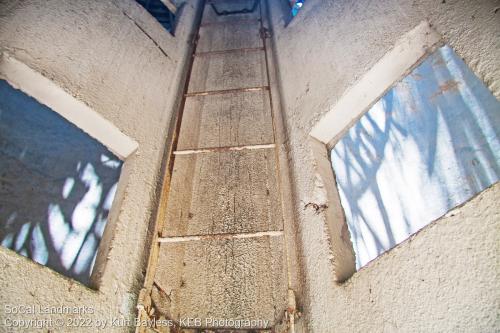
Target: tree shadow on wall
57 185
430 144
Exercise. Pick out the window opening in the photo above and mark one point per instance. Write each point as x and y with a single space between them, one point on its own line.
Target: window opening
166 16
292 9
427 146
296 5
57 185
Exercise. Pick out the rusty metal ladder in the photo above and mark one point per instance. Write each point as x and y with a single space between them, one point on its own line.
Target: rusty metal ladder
147 313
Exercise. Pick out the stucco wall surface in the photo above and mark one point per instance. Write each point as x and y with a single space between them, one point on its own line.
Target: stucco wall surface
116 58
445 278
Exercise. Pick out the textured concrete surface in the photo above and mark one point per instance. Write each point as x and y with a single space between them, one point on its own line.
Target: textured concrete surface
233 279
443 279
228 71
97 53
118 60
223 192
229 36
236 119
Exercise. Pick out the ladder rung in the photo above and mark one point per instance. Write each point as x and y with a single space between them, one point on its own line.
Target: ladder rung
227 91
206 24
223 149
245 49
182 239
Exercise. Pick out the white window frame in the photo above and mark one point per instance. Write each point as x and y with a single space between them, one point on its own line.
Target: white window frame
76 112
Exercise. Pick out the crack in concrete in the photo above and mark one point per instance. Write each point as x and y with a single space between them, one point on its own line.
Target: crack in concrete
144 32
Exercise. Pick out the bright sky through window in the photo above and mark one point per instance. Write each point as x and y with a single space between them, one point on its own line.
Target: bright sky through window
296 6
430 144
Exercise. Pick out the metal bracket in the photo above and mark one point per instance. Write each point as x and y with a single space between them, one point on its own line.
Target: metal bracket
193 40
264 33
291 314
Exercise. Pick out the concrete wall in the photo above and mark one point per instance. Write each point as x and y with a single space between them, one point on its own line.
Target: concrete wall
117 59
443 278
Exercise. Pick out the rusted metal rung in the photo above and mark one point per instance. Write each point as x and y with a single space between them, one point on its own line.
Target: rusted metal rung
245 49
223 149
206 24
223 1
242 235
227 91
